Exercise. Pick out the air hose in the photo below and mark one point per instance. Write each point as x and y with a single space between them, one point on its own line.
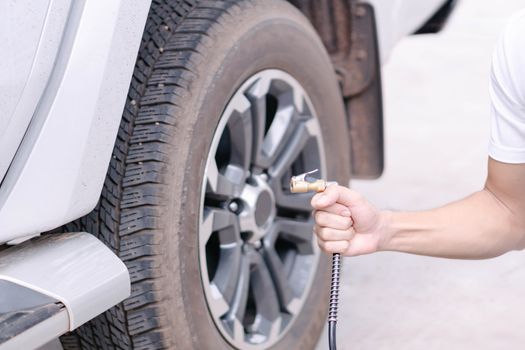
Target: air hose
334 301
300 184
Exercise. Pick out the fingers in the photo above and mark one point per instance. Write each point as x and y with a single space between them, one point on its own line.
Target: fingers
335 221
336 194
331 234
334 246
333 240
335 208
359 245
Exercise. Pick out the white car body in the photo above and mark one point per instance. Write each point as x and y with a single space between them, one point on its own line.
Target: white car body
398 18
64 80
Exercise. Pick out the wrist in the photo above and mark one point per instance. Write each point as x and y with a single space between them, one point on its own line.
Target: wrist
385 230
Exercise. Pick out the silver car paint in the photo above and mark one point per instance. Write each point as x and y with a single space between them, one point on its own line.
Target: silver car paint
59 168
40 334
75 268
30 33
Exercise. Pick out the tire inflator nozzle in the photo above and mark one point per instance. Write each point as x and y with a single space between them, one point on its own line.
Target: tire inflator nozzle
301 184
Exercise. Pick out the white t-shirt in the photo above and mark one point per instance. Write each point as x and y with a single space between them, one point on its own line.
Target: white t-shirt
507 93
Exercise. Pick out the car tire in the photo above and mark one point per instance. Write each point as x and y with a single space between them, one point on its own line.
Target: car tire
194 58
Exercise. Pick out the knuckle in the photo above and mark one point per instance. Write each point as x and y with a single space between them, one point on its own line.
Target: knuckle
346 235
318 216
324 233
347 223
332 194
341 246
336 246
341 209
327 246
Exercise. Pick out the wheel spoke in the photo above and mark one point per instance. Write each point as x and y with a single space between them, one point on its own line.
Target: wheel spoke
279 133
265 296
257 94
224 224
222 221
240 131
298 233
227 273
276 267
291 152
267 147
225 185
238 303
299 202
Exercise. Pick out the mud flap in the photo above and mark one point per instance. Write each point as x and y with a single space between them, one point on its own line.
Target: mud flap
363 96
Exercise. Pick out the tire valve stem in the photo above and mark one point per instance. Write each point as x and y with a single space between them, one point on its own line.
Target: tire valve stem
301 184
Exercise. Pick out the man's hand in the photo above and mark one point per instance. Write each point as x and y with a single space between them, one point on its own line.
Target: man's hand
346 222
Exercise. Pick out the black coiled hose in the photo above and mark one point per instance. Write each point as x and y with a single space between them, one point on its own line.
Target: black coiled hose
302 184
334 301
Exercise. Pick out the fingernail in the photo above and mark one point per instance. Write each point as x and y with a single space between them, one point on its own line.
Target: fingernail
345 213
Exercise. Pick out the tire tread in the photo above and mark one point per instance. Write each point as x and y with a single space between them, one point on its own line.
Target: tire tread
126 217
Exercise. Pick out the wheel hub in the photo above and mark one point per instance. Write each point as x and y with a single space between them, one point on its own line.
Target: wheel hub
259 209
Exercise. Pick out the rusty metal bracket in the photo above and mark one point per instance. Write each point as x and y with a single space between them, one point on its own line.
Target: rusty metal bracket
348 31
364 98
343 26
356 68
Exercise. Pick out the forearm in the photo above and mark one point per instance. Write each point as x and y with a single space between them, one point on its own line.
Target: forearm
477 227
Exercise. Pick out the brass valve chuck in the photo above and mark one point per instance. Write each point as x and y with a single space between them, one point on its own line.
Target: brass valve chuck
299 183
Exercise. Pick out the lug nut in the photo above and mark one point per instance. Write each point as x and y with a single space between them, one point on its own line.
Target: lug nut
233 206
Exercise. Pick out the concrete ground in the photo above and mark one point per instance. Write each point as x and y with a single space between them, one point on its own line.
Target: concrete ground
436 129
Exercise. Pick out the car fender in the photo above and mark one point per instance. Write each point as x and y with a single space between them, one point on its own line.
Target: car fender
59 168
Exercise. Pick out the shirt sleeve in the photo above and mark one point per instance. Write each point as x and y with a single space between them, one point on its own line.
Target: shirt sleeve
507 94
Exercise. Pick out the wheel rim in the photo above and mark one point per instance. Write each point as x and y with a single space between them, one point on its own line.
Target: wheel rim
257 253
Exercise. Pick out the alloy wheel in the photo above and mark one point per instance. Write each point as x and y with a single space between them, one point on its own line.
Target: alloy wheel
258 257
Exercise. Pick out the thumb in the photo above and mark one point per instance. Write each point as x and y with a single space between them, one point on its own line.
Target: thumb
336 194
325 199
348 197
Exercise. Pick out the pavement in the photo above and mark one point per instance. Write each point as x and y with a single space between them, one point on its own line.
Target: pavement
436 132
